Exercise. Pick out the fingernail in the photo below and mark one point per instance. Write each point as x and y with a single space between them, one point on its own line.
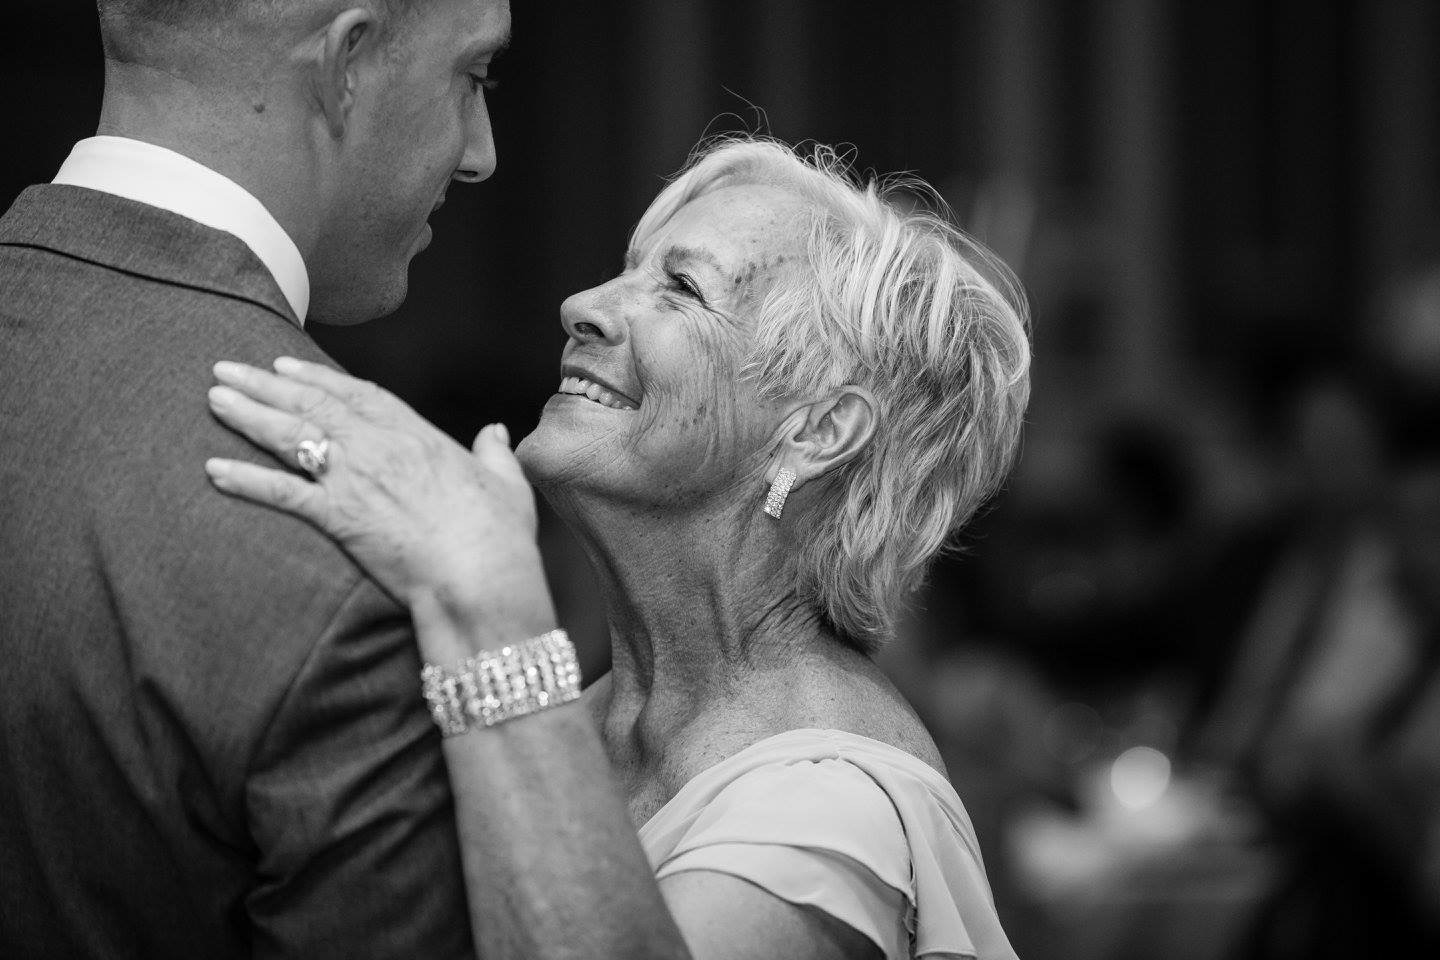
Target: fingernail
501 433
221 397
217 468
287 365
226 370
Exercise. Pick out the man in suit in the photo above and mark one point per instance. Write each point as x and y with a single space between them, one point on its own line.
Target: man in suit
212 742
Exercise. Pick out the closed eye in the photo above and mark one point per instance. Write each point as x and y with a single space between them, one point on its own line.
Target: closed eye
685 285
478 83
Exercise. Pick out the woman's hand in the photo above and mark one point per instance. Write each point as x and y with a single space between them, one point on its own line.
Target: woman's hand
448 532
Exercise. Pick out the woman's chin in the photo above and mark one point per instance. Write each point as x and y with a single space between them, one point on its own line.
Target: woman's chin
535 456
549 454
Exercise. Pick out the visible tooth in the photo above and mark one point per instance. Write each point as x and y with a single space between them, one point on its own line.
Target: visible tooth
592 391
605 398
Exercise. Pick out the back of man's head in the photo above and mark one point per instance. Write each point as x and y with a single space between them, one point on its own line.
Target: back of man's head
151 32
123 16
171 11
179 11
138 31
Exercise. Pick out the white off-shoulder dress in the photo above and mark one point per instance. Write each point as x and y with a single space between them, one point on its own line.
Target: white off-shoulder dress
835 821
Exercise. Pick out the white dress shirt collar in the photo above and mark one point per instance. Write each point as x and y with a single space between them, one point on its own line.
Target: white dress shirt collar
171 181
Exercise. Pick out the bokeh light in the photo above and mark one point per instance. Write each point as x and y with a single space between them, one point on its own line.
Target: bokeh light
1140 777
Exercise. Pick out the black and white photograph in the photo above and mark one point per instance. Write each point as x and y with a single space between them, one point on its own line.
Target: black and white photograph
720 480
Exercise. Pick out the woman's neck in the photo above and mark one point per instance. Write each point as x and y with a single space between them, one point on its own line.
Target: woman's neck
702 610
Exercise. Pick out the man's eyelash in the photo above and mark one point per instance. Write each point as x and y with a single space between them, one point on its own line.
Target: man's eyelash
488 84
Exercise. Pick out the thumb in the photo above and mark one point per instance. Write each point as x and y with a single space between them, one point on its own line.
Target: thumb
491 433
492 451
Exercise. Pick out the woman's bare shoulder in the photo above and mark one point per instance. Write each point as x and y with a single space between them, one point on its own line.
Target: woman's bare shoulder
857 698
890 719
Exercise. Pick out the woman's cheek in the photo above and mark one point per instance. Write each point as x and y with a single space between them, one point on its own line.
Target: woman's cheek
691 421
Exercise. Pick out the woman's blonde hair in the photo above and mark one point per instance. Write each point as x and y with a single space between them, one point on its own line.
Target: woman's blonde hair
898 300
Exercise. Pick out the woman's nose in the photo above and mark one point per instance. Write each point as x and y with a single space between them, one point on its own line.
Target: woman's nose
590 316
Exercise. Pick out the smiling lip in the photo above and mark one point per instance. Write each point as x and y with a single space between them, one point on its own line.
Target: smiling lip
606 390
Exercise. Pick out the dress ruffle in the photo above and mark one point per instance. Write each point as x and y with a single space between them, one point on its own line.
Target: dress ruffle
854 827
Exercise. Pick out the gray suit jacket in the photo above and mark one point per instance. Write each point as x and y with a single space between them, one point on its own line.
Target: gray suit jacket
211 738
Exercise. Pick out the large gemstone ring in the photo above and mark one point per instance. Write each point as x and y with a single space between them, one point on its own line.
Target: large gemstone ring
313 457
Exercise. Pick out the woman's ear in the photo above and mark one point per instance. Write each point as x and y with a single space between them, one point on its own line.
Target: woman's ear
345 40
830 433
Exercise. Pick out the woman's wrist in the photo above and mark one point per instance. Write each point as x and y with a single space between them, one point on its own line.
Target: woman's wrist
459 619
495 686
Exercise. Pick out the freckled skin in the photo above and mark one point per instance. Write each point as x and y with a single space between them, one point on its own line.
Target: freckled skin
701 433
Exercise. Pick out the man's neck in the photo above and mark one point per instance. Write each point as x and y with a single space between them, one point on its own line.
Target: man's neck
246 134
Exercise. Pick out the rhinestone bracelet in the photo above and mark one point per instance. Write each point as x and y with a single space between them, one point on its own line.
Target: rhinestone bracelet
499 685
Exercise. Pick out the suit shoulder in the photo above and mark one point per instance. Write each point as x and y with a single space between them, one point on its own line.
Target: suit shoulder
114 450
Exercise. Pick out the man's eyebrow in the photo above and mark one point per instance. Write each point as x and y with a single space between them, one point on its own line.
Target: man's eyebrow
632 258
487 48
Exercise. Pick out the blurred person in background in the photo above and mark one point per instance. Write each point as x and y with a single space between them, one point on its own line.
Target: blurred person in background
1331 711
766 428
1100 569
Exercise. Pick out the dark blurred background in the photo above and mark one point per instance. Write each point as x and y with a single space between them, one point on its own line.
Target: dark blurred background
1185 670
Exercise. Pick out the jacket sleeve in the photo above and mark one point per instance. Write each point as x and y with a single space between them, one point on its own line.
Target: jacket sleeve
349 804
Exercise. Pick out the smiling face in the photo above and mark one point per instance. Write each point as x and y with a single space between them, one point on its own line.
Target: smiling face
651 409
420 121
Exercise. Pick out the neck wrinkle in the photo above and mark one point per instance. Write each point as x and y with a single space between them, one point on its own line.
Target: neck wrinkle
696 605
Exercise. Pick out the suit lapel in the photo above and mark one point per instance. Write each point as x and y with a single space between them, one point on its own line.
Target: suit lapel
140 239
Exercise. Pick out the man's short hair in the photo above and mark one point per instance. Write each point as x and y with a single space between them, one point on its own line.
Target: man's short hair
121 21
174 11
115 13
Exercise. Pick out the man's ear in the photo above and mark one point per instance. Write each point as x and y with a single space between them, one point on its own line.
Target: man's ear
827 433
347 37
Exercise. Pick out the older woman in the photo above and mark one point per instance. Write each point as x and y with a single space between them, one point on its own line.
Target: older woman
766 428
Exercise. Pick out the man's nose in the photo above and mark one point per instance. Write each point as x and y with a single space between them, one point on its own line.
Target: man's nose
478 161
590 316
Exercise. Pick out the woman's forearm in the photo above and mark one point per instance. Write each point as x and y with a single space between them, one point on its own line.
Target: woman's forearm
553 866
552 862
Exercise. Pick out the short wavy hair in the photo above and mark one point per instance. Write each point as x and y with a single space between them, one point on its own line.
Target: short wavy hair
897 299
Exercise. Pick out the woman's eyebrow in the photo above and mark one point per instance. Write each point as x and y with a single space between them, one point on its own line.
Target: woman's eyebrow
679 255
